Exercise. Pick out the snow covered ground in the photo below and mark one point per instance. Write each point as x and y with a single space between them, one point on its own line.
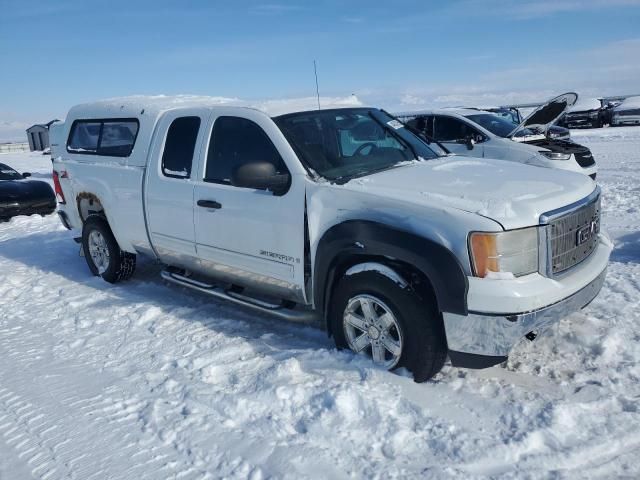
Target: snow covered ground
145 380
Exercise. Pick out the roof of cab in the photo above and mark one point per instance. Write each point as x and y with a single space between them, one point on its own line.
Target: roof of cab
133 106
463 111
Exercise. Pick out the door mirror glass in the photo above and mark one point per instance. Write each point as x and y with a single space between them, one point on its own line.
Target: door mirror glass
26 175
261 176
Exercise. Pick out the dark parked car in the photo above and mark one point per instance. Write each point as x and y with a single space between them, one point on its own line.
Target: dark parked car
587 112
19 196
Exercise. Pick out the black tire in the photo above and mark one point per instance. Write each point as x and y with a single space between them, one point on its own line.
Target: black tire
424 349
121 264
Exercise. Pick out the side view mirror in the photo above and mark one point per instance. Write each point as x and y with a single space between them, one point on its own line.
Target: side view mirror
261 176
469 141
26 175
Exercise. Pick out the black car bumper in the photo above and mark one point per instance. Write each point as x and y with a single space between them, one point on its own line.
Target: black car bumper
583 123
11 208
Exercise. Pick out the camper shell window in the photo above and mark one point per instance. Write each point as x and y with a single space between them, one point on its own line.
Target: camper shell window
109 137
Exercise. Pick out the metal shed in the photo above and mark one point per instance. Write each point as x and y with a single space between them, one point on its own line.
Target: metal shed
38 135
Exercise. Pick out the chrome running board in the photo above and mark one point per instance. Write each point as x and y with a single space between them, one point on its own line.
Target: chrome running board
298 315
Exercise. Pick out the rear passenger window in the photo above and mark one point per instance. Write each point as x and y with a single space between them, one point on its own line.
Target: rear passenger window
234 142
179 147
423 124
110 138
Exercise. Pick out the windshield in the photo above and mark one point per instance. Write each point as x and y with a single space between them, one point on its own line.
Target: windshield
345 143
8 173
509 114
499 125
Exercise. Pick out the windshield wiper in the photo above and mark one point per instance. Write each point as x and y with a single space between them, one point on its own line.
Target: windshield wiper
342 179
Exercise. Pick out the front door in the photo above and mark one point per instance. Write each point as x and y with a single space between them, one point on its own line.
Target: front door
170 184
453 134
250 237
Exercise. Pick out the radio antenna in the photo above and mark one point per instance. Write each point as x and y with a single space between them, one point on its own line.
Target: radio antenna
315 71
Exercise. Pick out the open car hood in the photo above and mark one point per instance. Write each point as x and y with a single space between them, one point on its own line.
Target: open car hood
546 114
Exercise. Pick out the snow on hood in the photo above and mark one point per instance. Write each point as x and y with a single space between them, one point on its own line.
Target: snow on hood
513 194
630 103
585 104
546 114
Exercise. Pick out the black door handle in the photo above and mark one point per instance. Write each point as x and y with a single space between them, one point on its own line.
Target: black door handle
209 204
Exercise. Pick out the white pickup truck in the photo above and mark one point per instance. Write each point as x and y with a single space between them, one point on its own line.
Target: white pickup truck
341 218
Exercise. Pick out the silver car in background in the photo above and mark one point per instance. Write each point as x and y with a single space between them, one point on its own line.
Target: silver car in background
477 133
627 113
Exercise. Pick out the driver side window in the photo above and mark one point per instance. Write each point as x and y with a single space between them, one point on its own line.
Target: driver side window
449 129
236 141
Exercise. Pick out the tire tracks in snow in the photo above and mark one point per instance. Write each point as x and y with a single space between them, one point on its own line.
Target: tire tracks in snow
72 421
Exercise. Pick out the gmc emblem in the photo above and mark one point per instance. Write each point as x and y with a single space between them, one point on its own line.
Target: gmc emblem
585 233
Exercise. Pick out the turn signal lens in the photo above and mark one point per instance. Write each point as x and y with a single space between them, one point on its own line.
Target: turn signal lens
485 255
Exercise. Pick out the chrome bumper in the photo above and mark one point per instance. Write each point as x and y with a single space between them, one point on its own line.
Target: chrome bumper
494 335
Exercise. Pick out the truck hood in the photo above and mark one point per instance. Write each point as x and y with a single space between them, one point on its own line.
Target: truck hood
543 116
512 194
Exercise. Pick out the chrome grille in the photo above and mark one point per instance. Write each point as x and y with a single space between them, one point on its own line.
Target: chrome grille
574 236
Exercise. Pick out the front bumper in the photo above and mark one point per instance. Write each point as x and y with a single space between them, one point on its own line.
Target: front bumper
502 313
582 123
626 120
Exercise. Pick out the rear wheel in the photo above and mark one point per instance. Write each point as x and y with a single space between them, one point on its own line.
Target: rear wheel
103 254
373 315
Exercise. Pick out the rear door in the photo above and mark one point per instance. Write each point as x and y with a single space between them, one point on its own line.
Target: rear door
175 158
252 237
453 132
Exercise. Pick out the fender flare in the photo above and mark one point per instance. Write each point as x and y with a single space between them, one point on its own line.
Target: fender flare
366 239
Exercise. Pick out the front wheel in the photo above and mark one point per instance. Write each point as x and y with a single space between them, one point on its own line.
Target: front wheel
373 315
103 254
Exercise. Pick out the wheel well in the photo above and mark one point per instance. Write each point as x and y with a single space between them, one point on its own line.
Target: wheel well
417 280
89 204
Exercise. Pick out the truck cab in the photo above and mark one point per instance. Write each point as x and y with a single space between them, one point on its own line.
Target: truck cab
342 218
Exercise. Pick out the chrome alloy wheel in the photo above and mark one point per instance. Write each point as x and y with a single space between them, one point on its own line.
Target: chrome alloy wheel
99 251
371 327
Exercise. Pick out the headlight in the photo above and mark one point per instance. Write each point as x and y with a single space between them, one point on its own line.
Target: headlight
555 155
514 251
593 114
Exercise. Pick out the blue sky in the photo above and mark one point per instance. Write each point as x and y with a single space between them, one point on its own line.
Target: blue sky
401 55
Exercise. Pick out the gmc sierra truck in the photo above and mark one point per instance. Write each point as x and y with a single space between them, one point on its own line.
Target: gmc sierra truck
341 218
